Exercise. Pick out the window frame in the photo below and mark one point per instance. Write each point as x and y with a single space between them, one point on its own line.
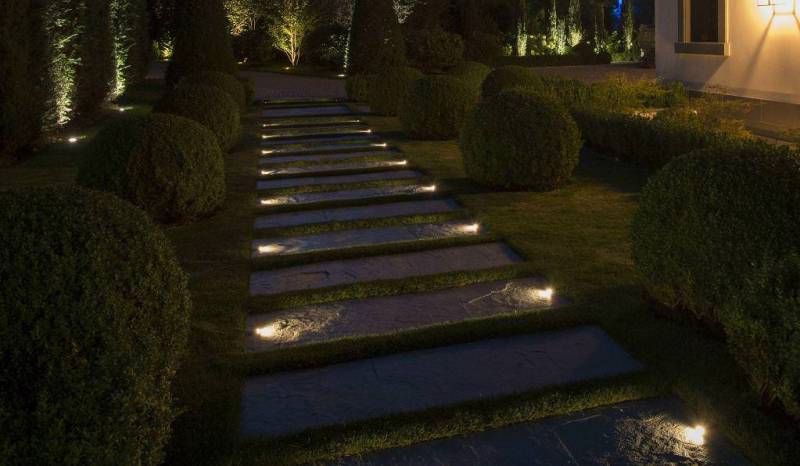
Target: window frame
684 45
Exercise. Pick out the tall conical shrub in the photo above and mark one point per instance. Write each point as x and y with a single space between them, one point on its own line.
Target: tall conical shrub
376 42
202 41
94 76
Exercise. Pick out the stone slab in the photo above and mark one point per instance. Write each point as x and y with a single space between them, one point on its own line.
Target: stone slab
361 237
318 148
327 110
278 159
301 100
344 214
337 179
310 122
627 434
388 267
336 167
346 195
390 314
287 403
313 131
310 141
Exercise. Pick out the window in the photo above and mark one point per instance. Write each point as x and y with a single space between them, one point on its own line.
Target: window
702 27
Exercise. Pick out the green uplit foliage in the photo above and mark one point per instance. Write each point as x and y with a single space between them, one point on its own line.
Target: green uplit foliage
131 52
23 77
292 22
64 29
202 41
95 71
95 320
376 42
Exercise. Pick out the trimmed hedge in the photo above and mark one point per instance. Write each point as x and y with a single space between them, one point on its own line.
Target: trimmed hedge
386 89
357 87
202 41
95 319
435 49
228 83
170 166
520 140
716 235
208 105
473 73
435 107
376 41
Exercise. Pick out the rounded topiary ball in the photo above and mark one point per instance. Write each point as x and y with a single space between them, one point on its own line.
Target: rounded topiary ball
387 89
208 105
435 107
228 83
170 166
508 77
95 319
520 140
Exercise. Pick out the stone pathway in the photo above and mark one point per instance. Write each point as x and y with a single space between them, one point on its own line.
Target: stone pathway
287 403
316 144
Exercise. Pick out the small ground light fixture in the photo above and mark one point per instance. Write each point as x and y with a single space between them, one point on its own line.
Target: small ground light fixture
471 228
545 294
695 435
267 331
73 139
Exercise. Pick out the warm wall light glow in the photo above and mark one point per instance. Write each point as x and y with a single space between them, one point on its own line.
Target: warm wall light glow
695 435
267 331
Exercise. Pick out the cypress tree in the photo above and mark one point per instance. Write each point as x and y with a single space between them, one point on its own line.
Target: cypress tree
131 42
202 41
95 71
376 42
23 77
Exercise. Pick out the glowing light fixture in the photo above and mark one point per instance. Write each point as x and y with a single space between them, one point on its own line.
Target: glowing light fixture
268 172
380 144
368 131
695 435
472 228
341 75
73 139
273 201
780 7
544 294
269 249
267 152
427 189
399 163
267 331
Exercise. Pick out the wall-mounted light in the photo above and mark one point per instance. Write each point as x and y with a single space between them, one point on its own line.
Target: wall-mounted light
780 7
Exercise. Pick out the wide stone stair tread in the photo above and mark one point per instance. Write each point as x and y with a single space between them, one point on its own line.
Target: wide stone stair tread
313 132
344 146
346 195
344 214
325 110
285 403
310 141
335 167
391 314
338 179
280 159
626 434
386 267
311 122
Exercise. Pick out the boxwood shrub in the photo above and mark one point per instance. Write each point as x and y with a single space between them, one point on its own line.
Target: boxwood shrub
228 83
473 73
387 88
357 87
95 319
716 235
520 140
508 77
170 166
435 107
208 105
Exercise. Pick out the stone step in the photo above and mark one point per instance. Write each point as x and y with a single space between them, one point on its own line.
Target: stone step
302 100
330 168
344 214
313 132
337 179
388 267
391 314
346 195
279 159
310 122
360 136
325 110
362 237
348 146
287 403
640 432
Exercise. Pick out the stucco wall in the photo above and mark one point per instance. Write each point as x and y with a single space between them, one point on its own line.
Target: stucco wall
764 61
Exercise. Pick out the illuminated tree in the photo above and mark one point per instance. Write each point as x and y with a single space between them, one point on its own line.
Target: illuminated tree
521 32
574 27
403 9
599 24
243 15
293 21
627 25
131 42
556 31
63 27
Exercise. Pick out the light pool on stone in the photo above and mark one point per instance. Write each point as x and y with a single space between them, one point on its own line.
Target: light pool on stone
628 434
278 159
388 267
287 403
310 141
306 111
337 179
347 195
374 316
310 122
343 214
287 246
336 167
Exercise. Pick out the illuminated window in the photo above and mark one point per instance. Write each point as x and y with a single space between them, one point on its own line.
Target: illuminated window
702 27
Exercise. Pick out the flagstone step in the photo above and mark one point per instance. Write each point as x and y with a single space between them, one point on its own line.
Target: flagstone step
337 179
387 267
330 168
345 214
390 314
310 122
360 136
278 159
302 100
346 195
348 146
628 434
325 110
362 237
313 132
280 404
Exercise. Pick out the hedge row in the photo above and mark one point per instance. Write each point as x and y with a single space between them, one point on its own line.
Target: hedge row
62 59
716 235
387 88
435 107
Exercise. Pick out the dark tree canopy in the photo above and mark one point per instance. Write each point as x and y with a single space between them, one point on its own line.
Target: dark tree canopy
375 39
